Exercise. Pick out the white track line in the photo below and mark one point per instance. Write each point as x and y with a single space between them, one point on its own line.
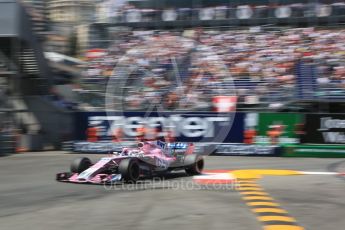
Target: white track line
320 173
214 176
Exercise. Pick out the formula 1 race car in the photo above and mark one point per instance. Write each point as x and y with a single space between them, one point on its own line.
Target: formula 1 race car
146 159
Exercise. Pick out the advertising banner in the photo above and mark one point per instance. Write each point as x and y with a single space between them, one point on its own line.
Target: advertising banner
325 129
306 75
181 127
273 128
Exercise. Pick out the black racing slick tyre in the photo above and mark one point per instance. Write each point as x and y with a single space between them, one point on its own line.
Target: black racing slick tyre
194 164
80 164
129 170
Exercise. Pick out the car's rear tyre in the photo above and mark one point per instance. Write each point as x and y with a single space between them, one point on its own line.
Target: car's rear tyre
129 170
194 164
80 164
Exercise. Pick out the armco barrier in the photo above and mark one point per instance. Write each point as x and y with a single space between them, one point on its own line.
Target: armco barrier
324 129
105 147
7 143
98 147
314 151
246 150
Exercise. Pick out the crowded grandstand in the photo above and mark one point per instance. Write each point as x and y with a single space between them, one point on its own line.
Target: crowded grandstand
262 64
186 55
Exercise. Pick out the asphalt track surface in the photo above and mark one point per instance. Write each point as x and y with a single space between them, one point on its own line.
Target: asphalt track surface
30 198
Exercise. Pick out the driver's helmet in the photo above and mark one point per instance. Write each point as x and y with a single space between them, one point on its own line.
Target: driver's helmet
146 146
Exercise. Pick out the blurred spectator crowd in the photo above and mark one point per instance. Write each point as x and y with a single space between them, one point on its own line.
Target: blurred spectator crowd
184 70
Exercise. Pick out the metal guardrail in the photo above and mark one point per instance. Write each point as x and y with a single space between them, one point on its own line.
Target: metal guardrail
275 95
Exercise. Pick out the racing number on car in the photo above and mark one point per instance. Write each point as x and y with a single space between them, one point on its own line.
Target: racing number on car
161 163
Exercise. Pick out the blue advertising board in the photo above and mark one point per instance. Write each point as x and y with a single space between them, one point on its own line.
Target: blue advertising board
186 127
306 80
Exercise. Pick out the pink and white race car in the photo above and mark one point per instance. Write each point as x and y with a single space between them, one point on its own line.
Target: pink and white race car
146 159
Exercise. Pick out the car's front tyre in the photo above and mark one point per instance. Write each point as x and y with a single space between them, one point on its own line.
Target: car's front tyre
129 170
80 164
